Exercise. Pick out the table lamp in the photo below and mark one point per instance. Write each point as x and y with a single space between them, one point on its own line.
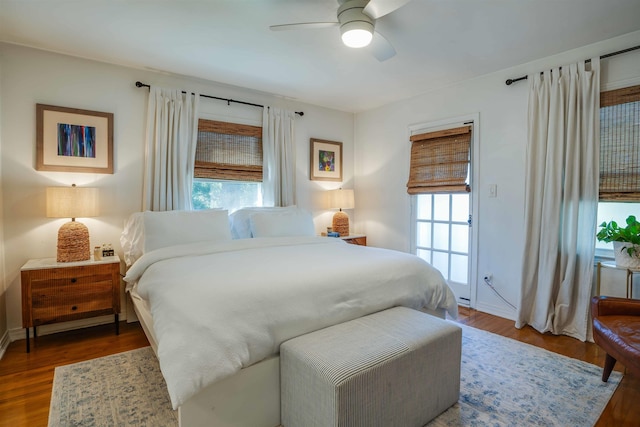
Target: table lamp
341 199
73 237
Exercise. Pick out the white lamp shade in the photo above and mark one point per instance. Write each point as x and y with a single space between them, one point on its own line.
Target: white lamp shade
341 199
72 202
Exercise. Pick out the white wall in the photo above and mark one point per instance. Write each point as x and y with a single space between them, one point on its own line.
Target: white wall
31 76
382 159
378 159
4 336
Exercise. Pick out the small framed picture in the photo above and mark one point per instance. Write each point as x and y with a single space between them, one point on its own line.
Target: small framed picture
326 160
73 140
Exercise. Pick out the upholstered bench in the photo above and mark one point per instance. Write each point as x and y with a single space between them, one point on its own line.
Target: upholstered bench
397 367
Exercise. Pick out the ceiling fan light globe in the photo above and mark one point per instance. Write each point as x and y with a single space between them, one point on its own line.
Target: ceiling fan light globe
356 36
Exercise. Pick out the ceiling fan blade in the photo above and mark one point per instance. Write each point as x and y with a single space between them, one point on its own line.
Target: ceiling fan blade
381 48
302 26
378 8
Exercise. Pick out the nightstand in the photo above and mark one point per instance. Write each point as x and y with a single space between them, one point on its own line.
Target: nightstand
55 292
355 239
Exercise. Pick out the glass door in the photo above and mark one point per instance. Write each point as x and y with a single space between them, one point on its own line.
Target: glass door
443 237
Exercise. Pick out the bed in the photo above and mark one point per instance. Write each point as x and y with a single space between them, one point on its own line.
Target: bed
217 294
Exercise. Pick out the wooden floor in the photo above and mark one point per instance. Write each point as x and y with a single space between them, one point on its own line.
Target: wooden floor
26 379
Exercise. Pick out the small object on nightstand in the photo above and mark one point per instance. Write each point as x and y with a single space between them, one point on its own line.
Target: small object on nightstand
107 250
97 253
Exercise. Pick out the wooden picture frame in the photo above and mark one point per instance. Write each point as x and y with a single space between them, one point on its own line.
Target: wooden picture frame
73 140
326 160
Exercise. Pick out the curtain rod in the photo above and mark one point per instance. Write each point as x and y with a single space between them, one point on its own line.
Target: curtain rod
608 55
229 101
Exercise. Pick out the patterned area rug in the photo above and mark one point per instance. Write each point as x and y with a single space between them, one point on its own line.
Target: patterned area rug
124 389
503 383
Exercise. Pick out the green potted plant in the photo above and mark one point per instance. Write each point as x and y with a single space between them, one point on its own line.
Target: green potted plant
626 241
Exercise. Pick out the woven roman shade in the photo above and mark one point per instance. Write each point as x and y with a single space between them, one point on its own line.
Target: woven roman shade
228 151
620 145
440 161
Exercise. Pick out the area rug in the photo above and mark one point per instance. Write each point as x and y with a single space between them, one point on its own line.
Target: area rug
124 389
503 383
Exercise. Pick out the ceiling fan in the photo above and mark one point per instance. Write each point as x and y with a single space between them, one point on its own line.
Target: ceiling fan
357 20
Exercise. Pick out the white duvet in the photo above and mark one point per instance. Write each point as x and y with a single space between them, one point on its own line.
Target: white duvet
220 307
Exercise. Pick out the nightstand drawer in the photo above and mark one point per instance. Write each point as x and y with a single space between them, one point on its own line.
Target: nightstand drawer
56 300
66 312
70 274
69 284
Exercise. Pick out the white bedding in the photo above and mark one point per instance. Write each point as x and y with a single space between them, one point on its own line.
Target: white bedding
220 307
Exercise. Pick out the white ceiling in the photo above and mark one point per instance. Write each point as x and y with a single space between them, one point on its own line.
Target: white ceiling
438 42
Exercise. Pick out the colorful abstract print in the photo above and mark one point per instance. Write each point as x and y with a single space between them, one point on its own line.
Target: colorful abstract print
76 141
327 161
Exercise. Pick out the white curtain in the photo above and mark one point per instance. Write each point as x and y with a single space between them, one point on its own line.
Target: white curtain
561 199
172 132
279 157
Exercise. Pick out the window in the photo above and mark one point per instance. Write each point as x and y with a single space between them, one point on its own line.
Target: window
230 195
619 158
228 166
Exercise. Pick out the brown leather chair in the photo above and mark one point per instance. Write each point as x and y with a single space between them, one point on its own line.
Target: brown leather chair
616 329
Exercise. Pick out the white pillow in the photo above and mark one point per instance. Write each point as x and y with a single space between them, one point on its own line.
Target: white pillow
168 228
239 220
132 238
282 224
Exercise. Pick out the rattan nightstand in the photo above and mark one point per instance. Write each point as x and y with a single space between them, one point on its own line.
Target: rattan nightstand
55 292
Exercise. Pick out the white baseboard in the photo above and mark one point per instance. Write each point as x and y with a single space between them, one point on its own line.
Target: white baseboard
20 333
503 312
4 343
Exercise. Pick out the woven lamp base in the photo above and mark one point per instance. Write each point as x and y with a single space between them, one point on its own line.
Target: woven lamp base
73 242
341 223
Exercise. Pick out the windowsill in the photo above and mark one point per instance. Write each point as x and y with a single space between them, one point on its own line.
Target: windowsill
603 255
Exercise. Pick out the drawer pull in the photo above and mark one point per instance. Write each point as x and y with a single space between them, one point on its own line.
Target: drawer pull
74 280
74 308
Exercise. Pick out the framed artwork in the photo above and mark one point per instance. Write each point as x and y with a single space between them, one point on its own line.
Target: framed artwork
326 160
73 140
